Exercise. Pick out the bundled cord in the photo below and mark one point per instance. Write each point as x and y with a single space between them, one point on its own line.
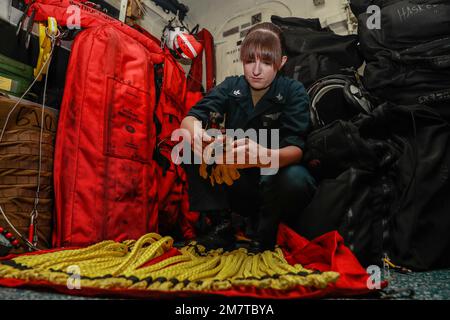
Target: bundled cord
129 265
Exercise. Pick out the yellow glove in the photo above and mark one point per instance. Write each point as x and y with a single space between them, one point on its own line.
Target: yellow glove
220 173
202 171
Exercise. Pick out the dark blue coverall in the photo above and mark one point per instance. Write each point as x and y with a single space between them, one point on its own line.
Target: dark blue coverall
265 199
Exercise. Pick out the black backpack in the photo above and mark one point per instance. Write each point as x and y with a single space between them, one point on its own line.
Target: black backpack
395 205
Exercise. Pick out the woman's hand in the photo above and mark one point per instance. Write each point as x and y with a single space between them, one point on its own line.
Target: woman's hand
248 154
200 141
195 135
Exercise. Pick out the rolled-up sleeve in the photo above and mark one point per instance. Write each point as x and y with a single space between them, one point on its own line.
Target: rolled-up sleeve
295 117
215 101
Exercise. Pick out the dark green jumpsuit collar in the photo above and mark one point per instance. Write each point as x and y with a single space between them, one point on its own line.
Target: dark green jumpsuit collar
274 96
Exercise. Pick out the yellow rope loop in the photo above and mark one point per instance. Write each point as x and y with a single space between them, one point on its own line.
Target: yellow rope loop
321 281
221 285
97 267
146 254
141 285
209 273
165 286
197 250
203 266
217 252
238 266
173 271
107 249
227 260
282 262
284 282
247 272
233 263
147 239
9 272
242 253
255 266
272 264
262 267
108 283
190 249
37 259
129 243
278 253
146 271
92 258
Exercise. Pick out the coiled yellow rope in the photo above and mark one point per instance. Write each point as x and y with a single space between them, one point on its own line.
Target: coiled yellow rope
113 265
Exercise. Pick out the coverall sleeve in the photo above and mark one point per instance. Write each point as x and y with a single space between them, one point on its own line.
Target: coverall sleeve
295 117
215 101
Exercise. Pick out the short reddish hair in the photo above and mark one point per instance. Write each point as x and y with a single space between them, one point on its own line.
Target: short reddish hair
263 41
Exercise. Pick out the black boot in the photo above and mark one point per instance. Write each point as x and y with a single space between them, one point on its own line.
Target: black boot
256 246
260 241
221 233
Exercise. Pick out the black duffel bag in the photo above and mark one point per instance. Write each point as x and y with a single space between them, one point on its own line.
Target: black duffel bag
294 22
360 6
360 143
315 52
419 219
418 75
356 204
339 146
397 208
405 24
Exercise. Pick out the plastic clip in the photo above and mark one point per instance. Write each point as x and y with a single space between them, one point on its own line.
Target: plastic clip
46 35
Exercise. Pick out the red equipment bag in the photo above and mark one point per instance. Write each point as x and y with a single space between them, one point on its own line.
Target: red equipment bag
111 193
105 176
174 214
196 71
172 188
171 109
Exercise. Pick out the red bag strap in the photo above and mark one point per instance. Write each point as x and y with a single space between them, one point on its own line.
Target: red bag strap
196 72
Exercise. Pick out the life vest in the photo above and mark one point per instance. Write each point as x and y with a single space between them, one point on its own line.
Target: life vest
104 173
107 183
172 187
